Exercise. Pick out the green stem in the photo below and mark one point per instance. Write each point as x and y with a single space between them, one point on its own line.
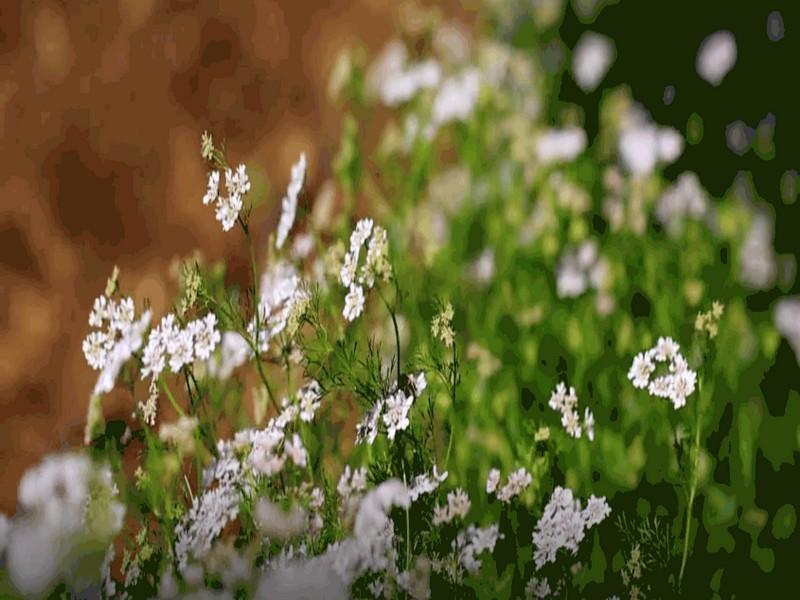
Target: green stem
454 373
408 527
693 487
175 405
256 350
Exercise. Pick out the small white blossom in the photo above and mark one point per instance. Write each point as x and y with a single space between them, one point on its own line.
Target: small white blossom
295 450
517 482
228 211
640 370
716 57
426 484
289 202
353 303
206 336
237 183
212 193
396 416
591 59
492 481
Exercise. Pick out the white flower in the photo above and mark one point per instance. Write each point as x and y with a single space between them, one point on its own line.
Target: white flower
212 193
234 352
456 98
362 231
716 57
228 211
517 482
787 321
402 85
237 183
289 202
95 349
425 484
643 145
597 509
367 430
640 370
295 450
458 506
537 588
492 480
683 385
588 423
263 455
570 420
396 416
181 349
206 335
309 396
353 303
418 383
564 524
591 59
666 349
100 312
560 145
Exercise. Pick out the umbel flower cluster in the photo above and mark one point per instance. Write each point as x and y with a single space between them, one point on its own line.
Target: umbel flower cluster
384 405
676 384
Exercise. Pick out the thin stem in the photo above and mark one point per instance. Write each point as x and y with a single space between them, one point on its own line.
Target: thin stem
454 374
175 405
693 487
255 346
408 527
391 310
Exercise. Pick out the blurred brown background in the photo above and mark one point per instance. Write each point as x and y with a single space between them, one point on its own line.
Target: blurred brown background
101 108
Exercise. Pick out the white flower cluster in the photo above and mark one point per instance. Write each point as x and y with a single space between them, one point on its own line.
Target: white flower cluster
457 507
289 202
537 588
579 269
473 541
642 145
416 582
237 184
564 524
787 321
393 410
566 402
176 346
456 98
401 83
212 510
352 484
591 60
426 484
233 353
117 336
758 265
716 57
685 198
678 384
65 504
283 300
560 145
266 456
517 483
371 549
376 265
